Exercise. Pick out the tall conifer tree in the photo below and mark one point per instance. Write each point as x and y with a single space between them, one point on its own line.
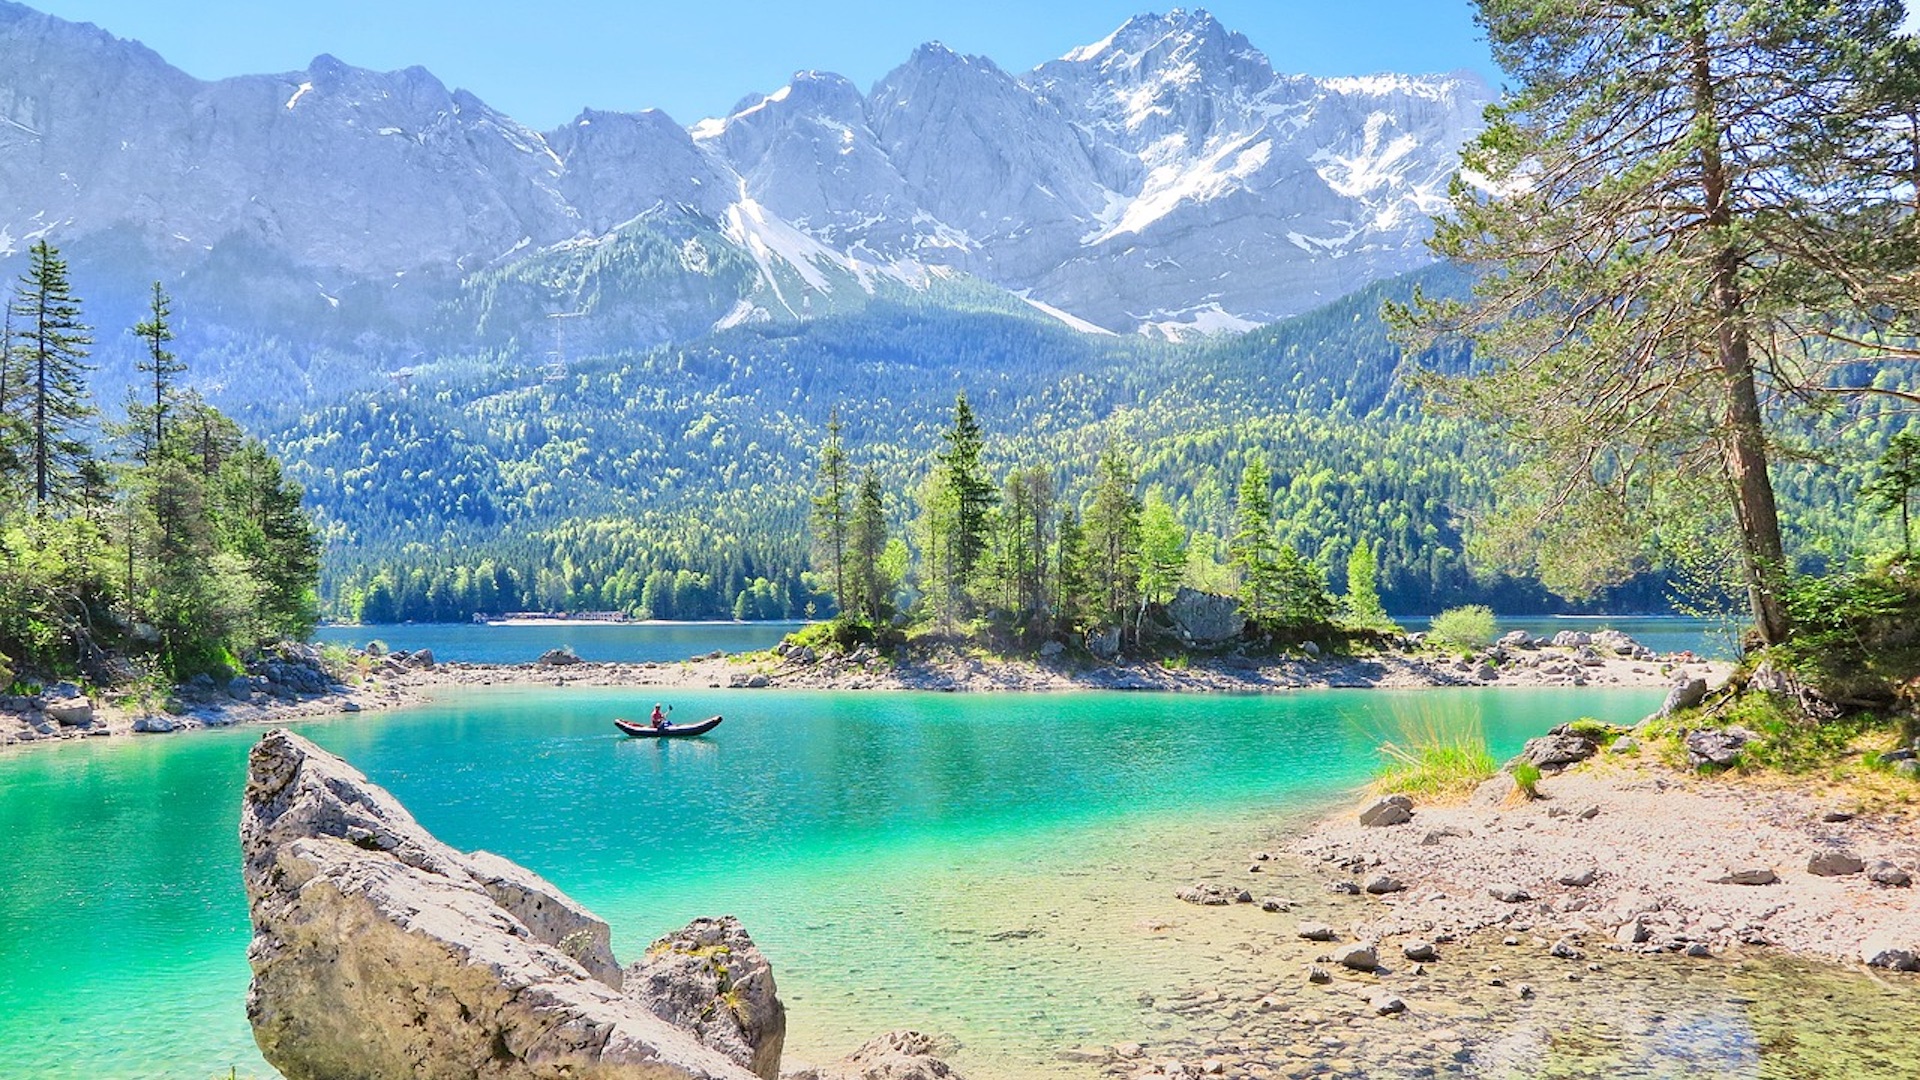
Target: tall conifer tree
1675 199
53 344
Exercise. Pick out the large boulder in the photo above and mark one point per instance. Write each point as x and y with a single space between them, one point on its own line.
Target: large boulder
1204 618
75 711
560 657
379 952
1686 694
711 979
1552 752
1104 642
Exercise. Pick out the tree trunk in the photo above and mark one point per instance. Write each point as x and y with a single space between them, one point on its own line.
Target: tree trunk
1744 441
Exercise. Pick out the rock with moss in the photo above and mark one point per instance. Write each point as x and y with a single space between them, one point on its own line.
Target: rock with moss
711 979
379 952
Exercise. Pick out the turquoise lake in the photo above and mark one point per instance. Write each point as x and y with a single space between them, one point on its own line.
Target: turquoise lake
998 868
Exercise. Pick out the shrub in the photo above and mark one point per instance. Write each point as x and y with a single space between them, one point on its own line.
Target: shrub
1526 779
1468 627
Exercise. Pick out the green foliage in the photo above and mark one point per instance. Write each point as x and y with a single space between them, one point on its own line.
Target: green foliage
1898 479
1361 607
1678 208
195 550
829 521
1433 752
1468 627
1594 731
1526 779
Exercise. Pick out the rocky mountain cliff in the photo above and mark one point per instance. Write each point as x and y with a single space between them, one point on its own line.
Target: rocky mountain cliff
1164 179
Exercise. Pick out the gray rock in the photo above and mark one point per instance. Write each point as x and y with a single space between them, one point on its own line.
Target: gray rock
1518 639
1444 832
1509 894
420 659
1495 790
157 723
1571 639
1344 888
1486 673
711 979
1567 948
560 657
1381 884
1834 864
1719 747
1419 951
1550 753
1698 950
1909 769
757 681
1104 642
355 907
1314 931
1581 878
1749 875
1686 694
1385 1004
1625 744
240 687
1835 817
1359 957
1392 810
1633 932
71 711
1882 872
1882 950
1051 649
1318 974
1275 903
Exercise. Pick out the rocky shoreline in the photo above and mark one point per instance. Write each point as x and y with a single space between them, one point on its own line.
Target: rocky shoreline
293 683
1470 938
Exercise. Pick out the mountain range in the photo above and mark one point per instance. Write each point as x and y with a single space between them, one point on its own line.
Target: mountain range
1163 180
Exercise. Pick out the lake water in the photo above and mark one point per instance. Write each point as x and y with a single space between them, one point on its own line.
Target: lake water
662 642
633 643
998 868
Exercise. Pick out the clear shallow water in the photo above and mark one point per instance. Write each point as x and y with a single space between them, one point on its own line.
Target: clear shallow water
995 867
475 643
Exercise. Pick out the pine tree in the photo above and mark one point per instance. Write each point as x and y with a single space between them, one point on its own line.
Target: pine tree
1892 490
1676 204
1364 609
868 587
1252 550
148 407
1113 538
972 493
829 518
53 343
1072 586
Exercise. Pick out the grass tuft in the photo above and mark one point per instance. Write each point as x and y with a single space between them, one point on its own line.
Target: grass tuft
1434 752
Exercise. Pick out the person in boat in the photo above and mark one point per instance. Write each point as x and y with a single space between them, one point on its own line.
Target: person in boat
659 718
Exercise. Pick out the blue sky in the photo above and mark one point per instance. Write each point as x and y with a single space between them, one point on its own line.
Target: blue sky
541 62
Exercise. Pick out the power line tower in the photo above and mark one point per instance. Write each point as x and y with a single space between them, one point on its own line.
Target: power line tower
555 369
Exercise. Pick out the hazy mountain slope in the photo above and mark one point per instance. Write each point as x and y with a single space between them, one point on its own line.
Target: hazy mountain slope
1163 179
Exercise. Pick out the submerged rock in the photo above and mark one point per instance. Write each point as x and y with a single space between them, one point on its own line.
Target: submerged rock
379 952
897 1055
